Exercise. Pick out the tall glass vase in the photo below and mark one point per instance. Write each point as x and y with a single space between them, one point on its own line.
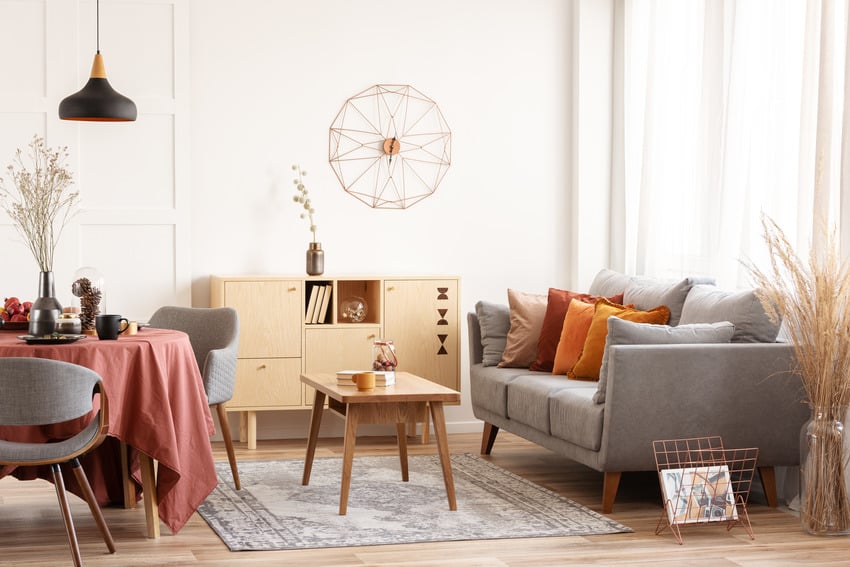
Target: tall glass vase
824 472
46 308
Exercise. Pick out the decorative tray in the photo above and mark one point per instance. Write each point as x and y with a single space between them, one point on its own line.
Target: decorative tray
51 339
14 325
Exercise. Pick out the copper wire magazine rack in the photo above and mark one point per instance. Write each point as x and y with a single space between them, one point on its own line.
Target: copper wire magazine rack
702 482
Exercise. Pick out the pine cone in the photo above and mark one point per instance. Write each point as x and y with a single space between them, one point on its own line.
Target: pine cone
89 302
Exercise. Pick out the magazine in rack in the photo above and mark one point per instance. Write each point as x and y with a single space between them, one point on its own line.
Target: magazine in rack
698 494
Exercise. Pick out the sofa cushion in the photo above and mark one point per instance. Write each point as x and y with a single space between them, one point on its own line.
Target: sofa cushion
576 418
553 323
526 312
528 397
622 332
588 365
494 319
707 304
489 387
573 334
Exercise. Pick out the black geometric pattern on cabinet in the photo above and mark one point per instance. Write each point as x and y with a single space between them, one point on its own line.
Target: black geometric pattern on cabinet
442 344
442 295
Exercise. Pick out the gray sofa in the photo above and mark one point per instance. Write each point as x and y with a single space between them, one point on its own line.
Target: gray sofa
743 391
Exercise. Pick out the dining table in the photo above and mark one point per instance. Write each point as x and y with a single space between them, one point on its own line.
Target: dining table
159 422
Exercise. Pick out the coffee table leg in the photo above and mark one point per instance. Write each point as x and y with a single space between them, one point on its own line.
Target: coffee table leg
351 418
313 438
439 419
401 433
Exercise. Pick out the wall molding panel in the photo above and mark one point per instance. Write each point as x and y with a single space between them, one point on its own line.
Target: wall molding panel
133 221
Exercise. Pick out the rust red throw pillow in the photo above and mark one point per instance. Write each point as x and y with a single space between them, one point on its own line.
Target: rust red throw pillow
553 323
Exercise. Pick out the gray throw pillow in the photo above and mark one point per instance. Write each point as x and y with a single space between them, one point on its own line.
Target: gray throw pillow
495 322
707 304
609 282
622 332
647 293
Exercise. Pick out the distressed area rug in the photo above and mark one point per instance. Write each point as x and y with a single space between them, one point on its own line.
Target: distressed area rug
274 511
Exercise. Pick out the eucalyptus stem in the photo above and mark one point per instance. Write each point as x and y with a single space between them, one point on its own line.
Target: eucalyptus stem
302 196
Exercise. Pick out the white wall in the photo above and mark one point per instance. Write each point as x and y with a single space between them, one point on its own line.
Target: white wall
268 78
256 85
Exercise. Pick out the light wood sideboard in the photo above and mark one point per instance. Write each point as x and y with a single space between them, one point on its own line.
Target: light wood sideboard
421 315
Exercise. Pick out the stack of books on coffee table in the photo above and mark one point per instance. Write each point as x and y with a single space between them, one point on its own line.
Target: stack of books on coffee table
382 377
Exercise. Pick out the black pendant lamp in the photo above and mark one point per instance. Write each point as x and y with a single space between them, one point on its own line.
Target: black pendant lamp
98 101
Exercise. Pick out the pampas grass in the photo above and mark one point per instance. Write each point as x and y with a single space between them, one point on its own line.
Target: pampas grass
811 298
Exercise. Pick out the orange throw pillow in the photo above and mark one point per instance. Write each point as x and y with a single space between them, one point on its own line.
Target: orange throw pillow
588 365
574 332
557 303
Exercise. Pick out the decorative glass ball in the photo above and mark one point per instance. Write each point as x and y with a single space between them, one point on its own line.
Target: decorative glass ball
353 309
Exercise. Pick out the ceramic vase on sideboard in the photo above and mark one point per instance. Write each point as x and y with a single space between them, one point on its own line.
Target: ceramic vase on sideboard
46 308
315 259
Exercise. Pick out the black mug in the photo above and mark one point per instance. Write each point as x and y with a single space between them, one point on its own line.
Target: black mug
108 327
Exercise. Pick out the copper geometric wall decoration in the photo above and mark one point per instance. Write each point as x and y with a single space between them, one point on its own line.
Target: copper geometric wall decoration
390 146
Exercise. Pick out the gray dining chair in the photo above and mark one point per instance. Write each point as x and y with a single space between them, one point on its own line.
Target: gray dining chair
214 334
38 392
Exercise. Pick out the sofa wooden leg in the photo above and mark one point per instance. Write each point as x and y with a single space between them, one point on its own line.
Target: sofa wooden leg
609 490
768 483
488 437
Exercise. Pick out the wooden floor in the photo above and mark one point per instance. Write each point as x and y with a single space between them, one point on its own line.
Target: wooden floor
31 531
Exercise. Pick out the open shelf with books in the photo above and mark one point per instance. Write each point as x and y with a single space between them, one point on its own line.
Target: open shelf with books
317 301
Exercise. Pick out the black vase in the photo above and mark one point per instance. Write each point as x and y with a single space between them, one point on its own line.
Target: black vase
46 308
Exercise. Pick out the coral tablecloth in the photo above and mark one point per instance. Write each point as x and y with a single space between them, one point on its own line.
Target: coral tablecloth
157 405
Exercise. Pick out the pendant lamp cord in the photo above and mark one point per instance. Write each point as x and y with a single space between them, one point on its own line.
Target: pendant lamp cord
97 27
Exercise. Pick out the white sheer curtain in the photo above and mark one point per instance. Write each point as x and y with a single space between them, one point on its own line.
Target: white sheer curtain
730 109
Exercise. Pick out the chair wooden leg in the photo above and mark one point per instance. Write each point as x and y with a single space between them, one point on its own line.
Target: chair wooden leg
228 443
83 482
59 483
488 437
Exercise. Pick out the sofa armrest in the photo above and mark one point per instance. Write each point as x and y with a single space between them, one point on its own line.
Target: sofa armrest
744 392
476 349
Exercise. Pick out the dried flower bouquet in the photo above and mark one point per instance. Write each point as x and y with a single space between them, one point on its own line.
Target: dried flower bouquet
41 204
812 299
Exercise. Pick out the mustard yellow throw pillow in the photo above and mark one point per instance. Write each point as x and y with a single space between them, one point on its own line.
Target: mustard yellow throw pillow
588 365
573 334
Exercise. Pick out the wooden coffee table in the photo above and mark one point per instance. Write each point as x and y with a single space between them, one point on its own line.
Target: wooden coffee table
408 399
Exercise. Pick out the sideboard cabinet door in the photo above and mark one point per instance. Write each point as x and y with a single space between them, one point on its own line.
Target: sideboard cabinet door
421 317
